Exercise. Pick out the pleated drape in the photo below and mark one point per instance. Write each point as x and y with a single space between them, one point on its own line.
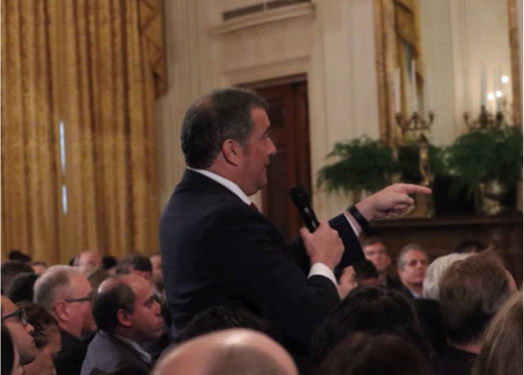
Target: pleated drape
93 67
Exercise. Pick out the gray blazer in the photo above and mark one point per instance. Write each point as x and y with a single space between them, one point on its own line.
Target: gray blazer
108 354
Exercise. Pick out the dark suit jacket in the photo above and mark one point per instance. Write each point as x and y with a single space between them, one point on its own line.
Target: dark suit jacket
457 362
72 353
408 293
108 354
393 283
217 251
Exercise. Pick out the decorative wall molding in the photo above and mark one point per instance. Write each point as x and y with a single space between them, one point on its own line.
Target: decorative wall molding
277 69
304 10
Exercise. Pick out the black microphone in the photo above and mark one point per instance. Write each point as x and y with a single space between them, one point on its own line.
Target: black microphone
300 198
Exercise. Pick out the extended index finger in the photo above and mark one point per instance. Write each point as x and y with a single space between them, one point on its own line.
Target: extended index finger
414 189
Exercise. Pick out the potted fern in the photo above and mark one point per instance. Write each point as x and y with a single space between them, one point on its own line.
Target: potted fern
363 164
487 161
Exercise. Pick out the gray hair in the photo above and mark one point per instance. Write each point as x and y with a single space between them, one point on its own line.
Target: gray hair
412 246
435 270
52 283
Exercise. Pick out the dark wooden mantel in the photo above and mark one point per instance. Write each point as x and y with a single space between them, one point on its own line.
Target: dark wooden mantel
439 235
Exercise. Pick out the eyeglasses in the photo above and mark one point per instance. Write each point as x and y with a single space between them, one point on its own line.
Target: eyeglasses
20 315
83 299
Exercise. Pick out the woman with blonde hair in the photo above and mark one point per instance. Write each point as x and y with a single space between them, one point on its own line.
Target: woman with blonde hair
501 352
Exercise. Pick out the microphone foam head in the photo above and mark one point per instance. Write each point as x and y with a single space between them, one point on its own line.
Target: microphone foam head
299 196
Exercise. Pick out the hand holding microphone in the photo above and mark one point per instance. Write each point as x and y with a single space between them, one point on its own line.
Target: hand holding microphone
300 198
322 243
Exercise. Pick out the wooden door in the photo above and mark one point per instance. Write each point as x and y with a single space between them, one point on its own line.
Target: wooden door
288 114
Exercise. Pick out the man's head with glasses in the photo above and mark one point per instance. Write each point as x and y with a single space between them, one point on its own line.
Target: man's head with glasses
15 320
67 295
47 339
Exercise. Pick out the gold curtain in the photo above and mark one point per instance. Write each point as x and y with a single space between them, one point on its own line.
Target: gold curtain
101 66
407 30
407 24
30 157
385 43
397 41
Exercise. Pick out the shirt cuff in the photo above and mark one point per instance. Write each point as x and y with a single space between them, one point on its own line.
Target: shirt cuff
357 233
322 270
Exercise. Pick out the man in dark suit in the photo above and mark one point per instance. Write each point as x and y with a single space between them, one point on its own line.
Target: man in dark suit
412 264
217 250
127 315
376 252
67 295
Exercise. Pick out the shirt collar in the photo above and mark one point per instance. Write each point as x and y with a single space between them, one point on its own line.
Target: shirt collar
228 184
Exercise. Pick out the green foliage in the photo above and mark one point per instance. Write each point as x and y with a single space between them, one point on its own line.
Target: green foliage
408 159
484 155
363 164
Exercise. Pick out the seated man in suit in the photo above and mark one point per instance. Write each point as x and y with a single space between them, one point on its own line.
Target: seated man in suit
66 294
377 253
127 315
412 264
218 250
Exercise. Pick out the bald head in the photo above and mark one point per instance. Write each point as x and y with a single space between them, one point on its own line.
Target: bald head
232 351
132 281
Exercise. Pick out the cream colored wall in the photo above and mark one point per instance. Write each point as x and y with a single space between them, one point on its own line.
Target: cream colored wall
346 78
332 42
458 37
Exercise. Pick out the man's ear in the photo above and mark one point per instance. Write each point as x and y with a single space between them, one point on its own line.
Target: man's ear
61 311
232 151
123 318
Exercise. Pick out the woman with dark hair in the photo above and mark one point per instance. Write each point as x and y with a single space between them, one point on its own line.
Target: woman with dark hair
47 339
363 354
10 357
370 310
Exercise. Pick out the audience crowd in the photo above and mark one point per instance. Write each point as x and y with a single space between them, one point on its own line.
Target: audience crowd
460 313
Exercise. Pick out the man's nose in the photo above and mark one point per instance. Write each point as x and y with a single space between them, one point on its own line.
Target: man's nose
29 329
272 148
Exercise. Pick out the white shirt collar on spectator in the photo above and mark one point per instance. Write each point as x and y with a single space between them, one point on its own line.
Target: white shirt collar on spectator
230 185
